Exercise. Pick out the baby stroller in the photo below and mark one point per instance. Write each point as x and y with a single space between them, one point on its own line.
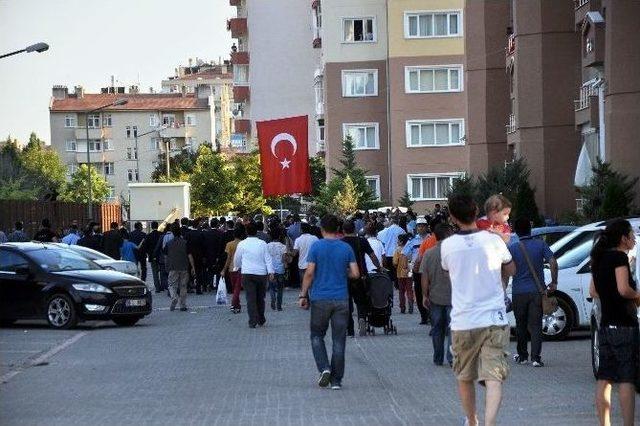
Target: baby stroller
379 301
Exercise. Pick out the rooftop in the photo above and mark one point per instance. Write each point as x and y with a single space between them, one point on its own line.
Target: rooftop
137 101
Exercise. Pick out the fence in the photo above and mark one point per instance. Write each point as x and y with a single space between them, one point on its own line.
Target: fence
60 214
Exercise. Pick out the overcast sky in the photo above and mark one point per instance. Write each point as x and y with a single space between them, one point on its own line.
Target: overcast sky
137 41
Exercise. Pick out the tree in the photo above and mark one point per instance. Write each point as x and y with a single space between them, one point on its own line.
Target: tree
318 175
609 194
405 200
346 200
464 185
212 183
44 163
77 190
247 179
181 166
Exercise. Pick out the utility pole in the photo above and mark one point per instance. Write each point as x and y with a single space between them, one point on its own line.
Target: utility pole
167 144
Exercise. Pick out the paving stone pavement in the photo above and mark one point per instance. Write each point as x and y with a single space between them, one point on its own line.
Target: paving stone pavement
206 367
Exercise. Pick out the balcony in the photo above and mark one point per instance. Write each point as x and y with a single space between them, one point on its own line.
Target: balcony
581 9
243 126
315 4
96 156
94 133
317 43
175 131
593 43
240 58
586 107
240 94
237 26
511 125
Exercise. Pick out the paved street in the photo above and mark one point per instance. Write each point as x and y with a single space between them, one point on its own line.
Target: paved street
207 367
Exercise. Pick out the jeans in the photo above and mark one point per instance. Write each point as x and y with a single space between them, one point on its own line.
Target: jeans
255 288
155 273
527 308
164 276
275 290
324 312
440 319
142 267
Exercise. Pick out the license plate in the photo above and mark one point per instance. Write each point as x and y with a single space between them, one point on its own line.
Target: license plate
136 302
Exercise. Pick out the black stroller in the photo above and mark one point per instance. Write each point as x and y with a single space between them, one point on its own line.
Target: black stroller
379 301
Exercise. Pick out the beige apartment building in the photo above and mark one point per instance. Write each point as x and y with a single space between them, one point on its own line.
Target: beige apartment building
125 141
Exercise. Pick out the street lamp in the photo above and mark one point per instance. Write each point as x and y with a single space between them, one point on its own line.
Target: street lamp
38 47
86 125
136 136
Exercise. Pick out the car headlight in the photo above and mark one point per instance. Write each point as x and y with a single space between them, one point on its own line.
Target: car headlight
94 288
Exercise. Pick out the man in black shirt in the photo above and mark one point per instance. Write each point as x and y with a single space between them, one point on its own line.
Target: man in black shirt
137 237
148 247
194 243
92 238
213 246
112 242
360 247
45 234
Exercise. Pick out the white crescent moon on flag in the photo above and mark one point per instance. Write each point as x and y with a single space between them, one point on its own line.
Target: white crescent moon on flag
283 137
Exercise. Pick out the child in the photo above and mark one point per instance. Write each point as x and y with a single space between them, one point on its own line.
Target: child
498 208
405 282
278 252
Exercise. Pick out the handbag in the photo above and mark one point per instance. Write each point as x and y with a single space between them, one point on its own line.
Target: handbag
549 303
221 294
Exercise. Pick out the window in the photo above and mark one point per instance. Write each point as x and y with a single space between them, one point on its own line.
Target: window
106 120
432 24
112 193
321 130
154 144
360 83
172 144
132 174
241 74
128 131
108 169
358 30
72 169
190 119
93 121
424 187
364 135
153 120
373 182
132 153
71 146
11 261
108 145
434 132
191 142
169 120
69 121
433 79
135 131
95 146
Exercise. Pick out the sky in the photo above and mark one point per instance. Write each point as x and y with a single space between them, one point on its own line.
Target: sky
137 41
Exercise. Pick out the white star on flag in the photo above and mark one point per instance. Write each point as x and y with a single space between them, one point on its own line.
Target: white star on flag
285 164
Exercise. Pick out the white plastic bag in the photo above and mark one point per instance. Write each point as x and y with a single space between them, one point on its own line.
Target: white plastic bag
221 294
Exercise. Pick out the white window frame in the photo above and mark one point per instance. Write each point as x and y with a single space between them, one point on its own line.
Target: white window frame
411 13
153 120
449 121
452 175
374 27
107 144
112 193
94 142
71 146
418 68
70 121
376 178
132 175
237 74
376 126
92 119
190 119
109 168
345 73
154 144
169 120
107 120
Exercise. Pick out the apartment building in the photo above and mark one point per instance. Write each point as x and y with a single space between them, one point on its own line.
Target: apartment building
274 63
125 141
219 77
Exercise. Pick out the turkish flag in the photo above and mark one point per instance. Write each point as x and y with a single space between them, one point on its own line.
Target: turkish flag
284 156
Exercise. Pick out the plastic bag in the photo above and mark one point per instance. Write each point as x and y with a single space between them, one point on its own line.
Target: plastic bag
221 294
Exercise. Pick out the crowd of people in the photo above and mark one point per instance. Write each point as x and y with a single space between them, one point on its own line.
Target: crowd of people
450 265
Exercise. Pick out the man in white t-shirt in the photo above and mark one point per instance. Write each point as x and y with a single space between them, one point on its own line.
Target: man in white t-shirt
301 246
377 246
478 263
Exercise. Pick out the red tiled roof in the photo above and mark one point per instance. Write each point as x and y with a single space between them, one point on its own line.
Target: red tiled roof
147 101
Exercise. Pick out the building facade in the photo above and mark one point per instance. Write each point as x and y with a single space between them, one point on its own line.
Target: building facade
273 66
125 141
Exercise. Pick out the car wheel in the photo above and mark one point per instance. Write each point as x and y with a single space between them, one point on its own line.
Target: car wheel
126 321
61 312
558 325
595 348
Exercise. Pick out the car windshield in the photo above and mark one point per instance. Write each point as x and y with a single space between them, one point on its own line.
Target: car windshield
571 241
58 260
576 255
89 253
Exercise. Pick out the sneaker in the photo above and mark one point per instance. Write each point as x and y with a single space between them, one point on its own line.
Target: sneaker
324 379
520 360
537 363
336 386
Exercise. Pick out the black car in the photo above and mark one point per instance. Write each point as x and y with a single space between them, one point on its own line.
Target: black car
43 281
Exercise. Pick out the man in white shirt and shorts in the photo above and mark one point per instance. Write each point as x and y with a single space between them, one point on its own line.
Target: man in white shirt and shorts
478 263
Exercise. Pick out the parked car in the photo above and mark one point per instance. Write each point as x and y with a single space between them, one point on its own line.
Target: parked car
551 234
103 260
574 275
53 283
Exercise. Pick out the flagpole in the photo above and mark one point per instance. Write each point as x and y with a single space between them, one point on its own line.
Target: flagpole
281 210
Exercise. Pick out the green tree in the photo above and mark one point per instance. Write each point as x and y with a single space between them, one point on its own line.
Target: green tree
212 183
346 200
318 175
247 180
609 194
77 190
44 164
464 185
405 200
181 166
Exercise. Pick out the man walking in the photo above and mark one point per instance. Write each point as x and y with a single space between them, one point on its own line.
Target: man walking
412 251
18 235
112 242
301 247
137 236
478 262
529 255
178 263
254 262
324 288
436 294
389 238
148 246
72 237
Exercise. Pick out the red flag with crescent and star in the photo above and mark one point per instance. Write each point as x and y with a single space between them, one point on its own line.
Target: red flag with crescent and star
284 156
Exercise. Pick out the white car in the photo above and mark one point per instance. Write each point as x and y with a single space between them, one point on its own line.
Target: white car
574 276
103 260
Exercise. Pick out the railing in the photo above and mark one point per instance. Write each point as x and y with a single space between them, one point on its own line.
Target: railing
585 93
579 3
511 45
320 146
511 126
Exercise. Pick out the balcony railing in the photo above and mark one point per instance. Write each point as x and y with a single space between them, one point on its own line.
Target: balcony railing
511 45
579 3
585 93
320 146
511 126
239 58
237 26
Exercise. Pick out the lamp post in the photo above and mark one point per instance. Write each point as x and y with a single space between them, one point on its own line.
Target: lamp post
136 136
86 125
38 47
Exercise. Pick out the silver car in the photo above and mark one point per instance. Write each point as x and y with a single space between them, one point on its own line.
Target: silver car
103 260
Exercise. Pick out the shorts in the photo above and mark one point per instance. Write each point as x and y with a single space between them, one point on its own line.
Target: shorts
618 354
480 353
